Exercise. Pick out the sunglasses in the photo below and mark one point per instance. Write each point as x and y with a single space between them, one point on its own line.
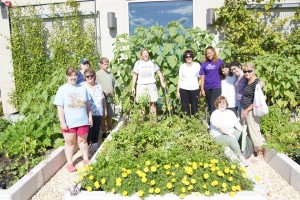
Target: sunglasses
248 71
188 56
85 63
89 76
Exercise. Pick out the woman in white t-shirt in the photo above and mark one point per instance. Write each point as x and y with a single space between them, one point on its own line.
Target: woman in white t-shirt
228 86
188 84
144 74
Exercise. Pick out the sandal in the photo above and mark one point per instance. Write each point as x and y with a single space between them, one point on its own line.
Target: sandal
71 168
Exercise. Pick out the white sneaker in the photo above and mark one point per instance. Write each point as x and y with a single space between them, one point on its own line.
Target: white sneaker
244 162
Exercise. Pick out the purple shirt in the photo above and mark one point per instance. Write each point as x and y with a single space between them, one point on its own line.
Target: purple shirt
239 88
211 71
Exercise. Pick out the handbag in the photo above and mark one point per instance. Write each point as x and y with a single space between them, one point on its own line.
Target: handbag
260 106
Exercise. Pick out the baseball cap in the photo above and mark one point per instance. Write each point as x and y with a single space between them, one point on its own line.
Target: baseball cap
84 61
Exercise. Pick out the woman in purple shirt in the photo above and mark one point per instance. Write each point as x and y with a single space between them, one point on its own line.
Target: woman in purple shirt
210 79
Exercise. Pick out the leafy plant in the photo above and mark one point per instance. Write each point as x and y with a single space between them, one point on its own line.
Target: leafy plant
173 154
280 133
3 124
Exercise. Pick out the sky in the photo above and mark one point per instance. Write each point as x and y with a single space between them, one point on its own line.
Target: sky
146 14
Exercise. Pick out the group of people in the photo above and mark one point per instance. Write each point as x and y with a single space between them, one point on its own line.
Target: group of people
84 104
228 89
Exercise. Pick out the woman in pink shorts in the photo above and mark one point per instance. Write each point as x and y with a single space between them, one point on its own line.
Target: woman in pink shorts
74 115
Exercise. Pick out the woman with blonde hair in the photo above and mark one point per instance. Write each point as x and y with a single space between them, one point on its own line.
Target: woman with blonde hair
144 75
253 122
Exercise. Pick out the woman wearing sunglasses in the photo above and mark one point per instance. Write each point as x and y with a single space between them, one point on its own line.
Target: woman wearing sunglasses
247 108
188 84
98 107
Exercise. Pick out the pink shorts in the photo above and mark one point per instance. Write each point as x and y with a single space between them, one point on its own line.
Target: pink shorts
80 130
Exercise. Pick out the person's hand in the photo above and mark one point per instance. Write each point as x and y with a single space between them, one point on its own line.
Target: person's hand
64 126
178 95
90 121
133 91
244 114
203 93
163 85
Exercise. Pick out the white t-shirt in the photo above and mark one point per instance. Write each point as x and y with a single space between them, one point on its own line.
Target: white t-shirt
188 76
228 90
226 119
146 71
96 99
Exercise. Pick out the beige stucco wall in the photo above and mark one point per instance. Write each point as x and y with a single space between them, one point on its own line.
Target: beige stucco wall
106 37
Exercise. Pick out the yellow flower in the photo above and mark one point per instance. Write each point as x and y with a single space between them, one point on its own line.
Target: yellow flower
257 178
231 194
183 190
207 193
206 176
238 188
128 171
103 181
124 193
244 175
153 169
176 165
151 190
91 177
193 181
173 180
144 179
91 168
243 169
230 178
213 169
78 171
168 172
205 165
152 182
118 180
231 171
190 187
89 189
118 184
167 166
113 190
77 180
147 162
84 174
81 177
220 173
173 173
157 190
224 185
233 188
188 170
233 166
86 168
97 185
124 174
146 169
181 196
214 183
226 170
204 186
194 166
140 193
169 185
224 189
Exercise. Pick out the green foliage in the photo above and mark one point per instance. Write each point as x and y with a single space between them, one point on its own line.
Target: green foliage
164 156
280 133
166 46
3 124
281 76
38 51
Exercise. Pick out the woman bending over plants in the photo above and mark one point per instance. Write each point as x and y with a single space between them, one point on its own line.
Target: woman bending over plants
253 122
226 128
74 115
144 74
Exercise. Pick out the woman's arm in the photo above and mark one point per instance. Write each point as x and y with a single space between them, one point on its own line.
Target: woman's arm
202 78
89 112
104 107
134 78
161 78
61 117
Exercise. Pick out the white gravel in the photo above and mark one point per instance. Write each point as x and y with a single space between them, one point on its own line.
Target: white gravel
274 186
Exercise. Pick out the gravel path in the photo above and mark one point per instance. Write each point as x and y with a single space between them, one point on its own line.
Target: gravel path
274 186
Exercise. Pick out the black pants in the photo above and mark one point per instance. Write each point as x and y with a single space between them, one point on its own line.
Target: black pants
94 131
211 96
189 101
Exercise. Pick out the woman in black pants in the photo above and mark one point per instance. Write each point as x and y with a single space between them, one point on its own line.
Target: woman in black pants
210 79
188 84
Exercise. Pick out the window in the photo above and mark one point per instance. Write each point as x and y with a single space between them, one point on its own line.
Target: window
146 14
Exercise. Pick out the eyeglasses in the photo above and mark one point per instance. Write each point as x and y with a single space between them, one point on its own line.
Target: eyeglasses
89 76
85 63
188 56
248 71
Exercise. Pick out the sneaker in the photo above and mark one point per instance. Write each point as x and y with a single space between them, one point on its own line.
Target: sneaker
244 162
71 168
94 148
